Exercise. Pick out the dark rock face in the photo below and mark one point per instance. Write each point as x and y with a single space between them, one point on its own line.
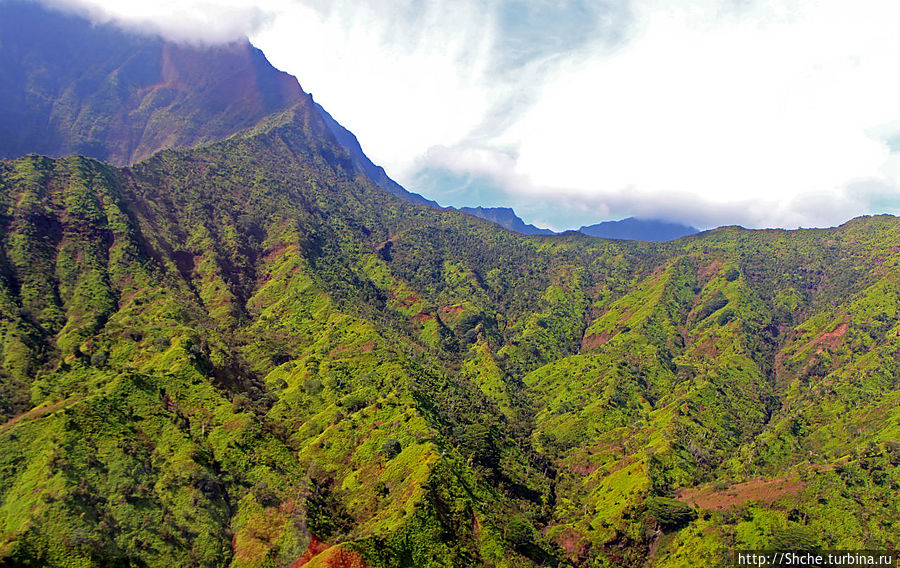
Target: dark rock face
69 87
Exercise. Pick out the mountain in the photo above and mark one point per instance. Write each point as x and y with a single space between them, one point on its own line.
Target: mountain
248 354
639 230
507 218
70 87
364 165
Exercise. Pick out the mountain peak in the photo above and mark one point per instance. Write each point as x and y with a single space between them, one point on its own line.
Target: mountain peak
507 218
632 228
70 87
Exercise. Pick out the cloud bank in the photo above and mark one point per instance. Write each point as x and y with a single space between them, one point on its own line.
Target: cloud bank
203 22
752 112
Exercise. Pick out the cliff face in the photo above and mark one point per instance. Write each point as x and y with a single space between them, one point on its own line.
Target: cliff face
67 87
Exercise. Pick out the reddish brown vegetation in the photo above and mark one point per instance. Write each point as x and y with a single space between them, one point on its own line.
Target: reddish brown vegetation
451 309
366 347
759 490
319 555
573 543
585 468
595 339
706 272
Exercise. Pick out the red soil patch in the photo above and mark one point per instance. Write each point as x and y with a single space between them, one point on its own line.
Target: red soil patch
422 317
410 298
831 339
451 309
759 490
277 251
595 340
35 413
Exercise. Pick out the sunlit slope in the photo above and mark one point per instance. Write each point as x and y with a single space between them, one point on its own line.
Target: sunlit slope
206 356
218 353
761 367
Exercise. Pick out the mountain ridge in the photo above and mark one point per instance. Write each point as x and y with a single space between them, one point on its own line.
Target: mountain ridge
246 353
364 165
507 218
633 228
309 283
72 87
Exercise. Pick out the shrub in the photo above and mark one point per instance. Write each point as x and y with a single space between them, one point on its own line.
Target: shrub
795 537
99 359
391 448
726 316
714 304
670 513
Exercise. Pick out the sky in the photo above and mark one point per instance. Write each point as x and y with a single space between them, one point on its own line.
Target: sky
761 113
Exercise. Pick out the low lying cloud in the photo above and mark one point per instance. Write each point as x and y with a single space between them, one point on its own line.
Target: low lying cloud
203 22
760 113
751 112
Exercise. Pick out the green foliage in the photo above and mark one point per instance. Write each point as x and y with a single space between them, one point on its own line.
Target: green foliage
795 537
209 356
669 513
715 303
391 448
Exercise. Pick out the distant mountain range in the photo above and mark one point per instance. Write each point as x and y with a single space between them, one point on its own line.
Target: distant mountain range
507 218
653 230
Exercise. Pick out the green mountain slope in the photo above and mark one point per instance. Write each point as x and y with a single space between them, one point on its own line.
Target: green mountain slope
248 354
214 354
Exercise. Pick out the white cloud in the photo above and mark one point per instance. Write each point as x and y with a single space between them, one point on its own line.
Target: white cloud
402 76
730 108
758 112
191 21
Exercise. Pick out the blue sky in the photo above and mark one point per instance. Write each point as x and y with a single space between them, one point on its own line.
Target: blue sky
710 112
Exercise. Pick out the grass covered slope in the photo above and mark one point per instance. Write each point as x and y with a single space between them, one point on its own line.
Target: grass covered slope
246 354
207 359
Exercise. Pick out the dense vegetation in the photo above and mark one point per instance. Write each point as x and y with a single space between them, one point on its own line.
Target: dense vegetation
247 354
214 354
